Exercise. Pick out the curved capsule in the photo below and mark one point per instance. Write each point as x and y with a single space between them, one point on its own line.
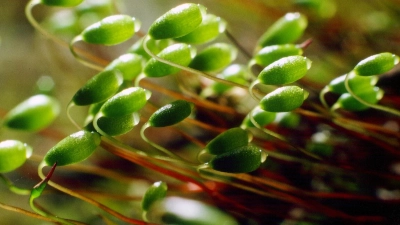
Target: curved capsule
125 102
283 99
178 53
286 30
262 117
208 30
214 57
155 46
73 149
120 125
227 141
154 193
241 160
376 64
99 88
62 3
171 114
111 30
13 154
272 53
356 83
130 65
348 102
177 22
33 114
235 73
285 70
174 210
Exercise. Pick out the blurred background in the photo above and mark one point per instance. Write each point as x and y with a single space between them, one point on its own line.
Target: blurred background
343 33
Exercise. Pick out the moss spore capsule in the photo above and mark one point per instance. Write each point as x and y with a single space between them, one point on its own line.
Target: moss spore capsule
171 114
111 30
130 65
177 22
285 70
262 117
154 193
272 53
178 53
241 160
13 154
114 126
357 83
348 102
62 3
214 57
283 99
228 140
125 102
73 149
33 114
99 88
208 30
286 30
376 64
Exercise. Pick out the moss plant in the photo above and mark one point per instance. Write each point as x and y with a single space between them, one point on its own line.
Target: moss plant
194 119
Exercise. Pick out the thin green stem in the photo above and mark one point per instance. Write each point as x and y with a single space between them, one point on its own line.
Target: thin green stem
158 147
90 201
278 136
36 25
27 213
70 105
37 191
13 188
190 70
79 58
251 88
375 106
322 96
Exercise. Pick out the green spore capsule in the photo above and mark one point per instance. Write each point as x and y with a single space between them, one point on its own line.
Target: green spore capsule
214 57
111 30
376 64
283 99
227 141
125 102
178 53
115 126
208 30
155 46
262 117
33 114
171 114
99 88
270 54
13 154
154 193
130 65
61 3
286 30
242 160
235 73
174 210
347 102
177 22
73 149
285 70
357 83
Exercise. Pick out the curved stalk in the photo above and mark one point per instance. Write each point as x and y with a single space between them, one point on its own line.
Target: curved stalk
375 106
79 58
190 70
90 201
